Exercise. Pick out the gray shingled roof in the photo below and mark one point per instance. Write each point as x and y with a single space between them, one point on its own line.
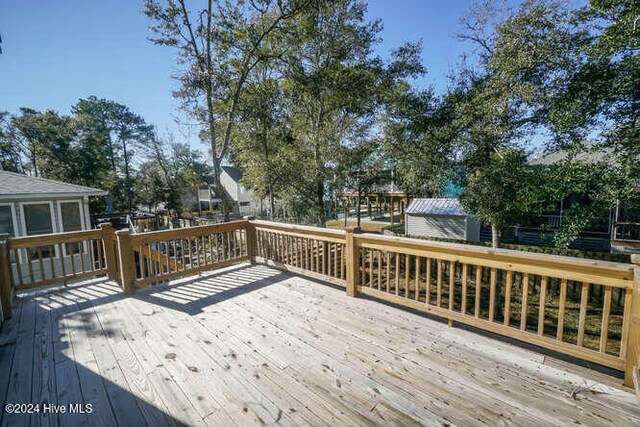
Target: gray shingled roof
235 174
15 185
590 154
436 207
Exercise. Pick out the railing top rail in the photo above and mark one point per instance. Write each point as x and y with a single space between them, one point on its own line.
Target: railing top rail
188 231
602 272
52 238
300 229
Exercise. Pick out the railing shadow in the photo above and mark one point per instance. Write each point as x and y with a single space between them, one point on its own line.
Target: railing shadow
68 391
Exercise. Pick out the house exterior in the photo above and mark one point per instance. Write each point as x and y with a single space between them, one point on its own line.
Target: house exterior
31 205
244 201
440 218
618 232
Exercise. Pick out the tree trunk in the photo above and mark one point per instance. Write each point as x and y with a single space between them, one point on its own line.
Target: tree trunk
495 236
127 180
358 203
321 220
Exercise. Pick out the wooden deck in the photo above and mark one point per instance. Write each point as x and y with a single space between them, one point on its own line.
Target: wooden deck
251 345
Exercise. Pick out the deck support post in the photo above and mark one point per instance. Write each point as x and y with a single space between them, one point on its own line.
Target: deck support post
6 285
109 239
127 261
631 372
352 261
252 239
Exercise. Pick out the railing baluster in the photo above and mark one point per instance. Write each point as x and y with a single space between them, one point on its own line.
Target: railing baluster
478 288
507 297
379 269
582 320
363 278
388 265
407 274
428 282
492 293
397 274
42 275
439 285
606 311
542 304
452 279
417 281
463 300
561 308
371 268
51 262
525 302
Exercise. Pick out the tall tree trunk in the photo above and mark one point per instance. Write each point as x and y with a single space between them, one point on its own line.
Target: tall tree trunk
127 178
495 236
358 203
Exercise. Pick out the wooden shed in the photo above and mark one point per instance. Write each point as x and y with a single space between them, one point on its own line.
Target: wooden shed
440 218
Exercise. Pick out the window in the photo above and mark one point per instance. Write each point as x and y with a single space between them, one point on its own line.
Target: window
71 219
245 203
71 216
37 219
6 220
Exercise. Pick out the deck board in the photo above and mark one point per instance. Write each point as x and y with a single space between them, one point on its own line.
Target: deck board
254 345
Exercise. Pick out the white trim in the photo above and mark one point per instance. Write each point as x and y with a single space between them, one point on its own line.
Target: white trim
12 206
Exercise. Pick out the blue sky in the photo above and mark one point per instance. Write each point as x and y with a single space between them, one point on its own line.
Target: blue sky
56 52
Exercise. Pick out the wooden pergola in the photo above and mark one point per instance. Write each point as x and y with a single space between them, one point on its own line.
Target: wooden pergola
381 203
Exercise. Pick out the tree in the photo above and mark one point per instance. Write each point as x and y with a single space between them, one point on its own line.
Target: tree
111 129
523 56
262 135
219 46
504 192
359 168
335 87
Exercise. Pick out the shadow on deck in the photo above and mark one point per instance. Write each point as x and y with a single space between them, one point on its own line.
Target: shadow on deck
251 344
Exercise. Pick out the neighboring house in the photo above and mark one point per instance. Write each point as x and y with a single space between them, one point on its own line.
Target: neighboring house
31 205
244 201
619 231
440 218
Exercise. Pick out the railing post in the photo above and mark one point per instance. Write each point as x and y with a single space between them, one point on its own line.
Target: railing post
5 277
352 261
631 374
127 261
251 239
108 239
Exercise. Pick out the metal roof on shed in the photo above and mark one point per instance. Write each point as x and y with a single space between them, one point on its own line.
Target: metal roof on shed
21 186
436 207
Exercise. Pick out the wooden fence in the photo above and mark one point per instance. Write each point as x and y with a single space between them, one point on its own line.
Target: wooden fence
582 308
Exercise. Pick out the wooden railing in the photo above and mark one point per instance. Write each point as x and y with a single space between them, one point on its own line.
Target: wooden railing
316 252
158 256
582 308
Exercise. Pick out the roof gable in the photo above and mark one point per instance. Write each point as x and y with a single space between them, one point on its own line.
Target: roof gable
234 174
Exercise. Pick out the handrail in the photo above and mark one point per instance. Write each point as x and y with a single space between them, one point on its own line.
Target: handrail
570 268
52 238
